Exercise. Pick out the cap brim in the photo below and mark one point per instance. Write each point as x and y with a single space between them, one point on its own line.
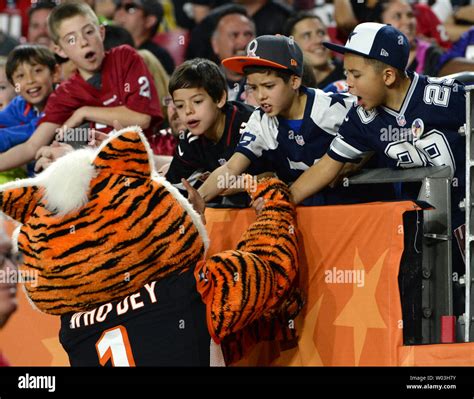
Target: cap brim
342 50
237 64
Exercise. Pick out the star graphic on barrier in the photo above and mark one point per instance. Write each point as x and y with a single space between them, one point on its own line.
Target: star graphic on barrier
361 312
311 355
337 98
409 359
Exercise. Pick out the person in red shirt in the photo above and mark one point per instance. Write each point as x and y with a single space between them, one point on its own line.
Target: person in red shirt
108 87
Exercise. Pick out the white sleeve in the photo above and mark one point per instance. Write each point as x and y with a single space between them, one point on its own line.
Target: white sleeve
258 135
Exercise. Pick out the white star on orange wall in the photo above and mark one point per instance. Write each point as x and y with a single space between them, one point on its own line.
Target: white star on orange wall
310 355
361 311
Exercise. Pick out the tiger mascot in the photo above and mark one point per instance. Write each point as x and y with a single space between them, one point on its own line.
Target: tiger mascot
120 255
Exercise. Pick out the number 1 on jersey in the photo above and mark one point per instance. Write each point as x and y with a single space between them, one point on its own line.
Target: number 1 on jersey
114 345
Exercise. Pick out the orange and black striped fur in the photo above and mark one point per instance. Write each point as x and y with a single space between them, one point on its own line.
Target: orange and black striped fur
132 227
98 225
252 288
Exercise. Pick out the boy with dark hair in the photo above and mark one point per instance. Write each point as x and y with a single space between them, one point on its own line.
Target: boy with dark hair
32 71
108 87
294 125
213 124
429 112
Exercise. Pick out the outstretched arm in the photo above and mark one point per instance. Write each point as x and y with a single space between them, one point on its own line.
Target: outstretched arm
108 115
25 152
215 184
315 178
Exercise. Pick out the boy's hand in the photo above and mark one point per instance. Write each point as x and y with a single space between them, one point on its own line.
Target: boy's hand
97 138
195 199
77 118
258 205
46 155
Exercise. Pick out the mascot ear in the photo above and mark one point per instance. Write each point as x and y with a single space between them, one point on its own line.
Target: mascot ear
19 202
126 152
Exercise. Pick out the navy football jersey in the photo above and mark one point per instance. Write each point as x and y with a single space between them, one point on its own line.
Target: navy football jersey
290 147
424 132
163 324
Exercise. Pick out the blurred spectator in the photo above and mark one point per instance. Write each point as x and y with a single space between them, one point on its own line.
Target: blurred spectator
349 13
176 126
200 38
268 15
7 91
461 56
308 78
142 19
105 9
8 266
461 19
8 300
163 142
38 22
116 36
7 43
232 34
202 8
429 26
424 55
309 32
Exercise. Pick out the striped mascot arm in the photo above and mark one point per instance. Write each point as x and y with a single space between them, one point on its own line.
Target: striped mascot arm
254 284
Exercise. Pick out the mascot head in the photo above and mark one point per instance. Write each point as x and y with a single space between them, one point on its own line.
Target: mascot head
100 223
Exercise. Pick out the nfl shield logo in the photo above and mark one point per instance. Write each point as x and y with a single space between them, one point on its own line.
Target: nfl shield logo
299 140
401 120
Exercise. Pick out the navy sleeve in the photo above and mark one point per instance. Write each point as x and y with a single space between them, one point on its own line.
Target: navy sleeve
351 144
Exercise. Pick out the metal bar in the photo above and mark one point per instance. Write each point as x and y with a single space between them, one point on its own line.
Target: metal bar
468 209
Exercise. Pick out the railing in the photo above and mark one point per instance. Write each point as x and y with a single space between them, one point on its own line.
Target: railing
437 236
469 238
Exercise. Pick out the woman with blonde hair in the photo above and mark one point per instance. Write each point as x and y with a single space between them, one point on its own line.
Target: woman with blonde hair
165 141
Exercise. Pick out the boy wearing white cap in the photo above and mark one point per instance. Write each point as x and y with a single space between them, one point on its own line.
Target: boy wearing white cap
408 119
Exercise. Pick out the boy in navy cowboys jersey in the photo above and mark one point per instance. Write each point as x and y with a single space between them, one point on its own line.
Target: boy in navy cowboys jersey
214 125
408 119
294 125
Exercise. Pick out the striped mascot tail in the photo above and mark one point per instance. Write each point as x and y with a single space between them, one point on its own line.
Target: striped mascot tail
250 292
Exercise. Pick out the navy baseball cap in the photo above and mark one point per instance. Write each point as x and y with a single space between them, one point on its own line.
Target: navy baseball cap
274 51
377 41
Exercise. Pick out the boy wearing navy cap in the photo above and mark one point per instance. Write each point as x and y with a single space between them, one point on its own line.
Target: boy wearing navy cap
294 125
408 119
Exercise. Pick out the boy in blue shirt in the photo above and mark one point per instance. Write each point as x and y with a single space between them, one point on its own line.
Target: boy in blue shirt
33 71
